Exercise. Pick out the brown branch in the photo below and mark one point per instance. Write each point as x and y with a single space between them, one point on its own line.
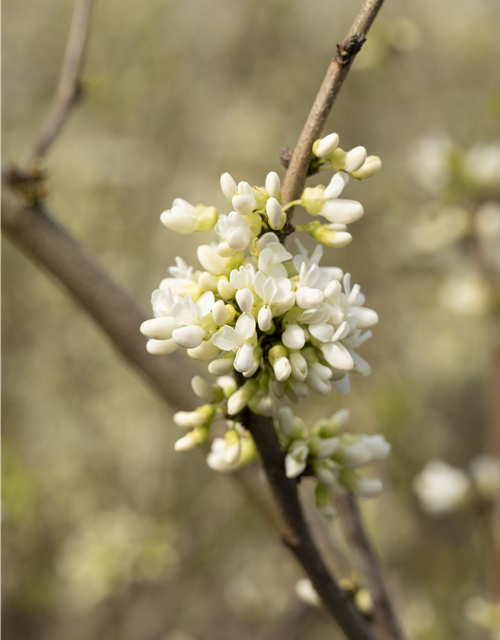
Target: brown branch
69 87
367 565
334 79
298 538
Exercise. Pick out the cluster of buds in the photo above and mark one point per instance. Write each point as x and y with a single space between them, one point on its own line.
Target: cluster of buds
285 324
329 455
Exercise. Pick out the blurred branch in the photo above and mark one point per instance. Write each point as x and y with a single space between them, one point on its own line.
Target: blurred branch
298 537
367 564
336 74
69 88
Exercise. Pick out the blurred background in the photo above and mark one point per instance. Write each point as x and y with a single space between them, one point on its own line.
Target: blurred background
107 532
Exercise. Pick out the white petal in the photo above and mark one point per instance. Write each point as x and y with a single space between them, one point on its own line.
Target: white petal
365 317
245 300
341 332
228 339
245 326
308 298
161 347
188 337
343 386
322 332
265 318
228 186
355 159
273 184
220 314
326 145
274 213
343 211
337 356
336 186
282 369
179 221
244 204
293 337
317 384
159 328
244 360
205 303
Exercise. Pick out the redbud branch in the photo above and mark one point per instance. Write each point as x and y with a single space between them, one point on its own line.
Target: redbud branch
336 74
69 88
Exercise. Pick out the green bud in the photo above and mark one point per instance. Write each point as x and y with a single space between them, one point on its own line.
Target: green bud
313 199
206 218
278 351
261 196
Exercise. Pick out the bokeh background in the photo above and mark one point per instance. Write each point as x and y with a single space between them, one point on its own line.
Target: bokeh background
107 532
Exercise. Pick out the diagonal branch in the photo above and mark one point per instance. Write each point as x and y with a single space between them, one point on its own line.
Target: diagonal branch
69 88
299 539
337 71
366 563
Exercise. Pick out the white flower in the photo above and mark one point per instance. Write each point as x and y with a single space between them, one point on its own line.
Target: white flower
217 458
159 328
188 315
349 161
275 214
245 300
299 366
240 340
326 202
220 313
370 168
440 488
368 487
240 231
185 218
272 255
244 202
273 185
271 292
242 278
314 286
305 591
228 186
282 369
334 351
324 146
303 257
352 301
318 379
296 459
293 337
161 347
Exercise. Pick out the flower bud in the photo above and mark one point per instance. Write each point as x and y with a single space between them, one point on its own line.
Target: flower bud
228 186
296 459
207 282
313 199
326 447
205 390
225 289
275 214
368 487
299 366
245 300
240 398
225 251
262 405
370 168
327 234
205 351
196 418
244 204
161 347
192 440
206 218
223 365
327 474
293 337
227 384
273 185
265 318
378 447
350 161
159 328
233 447
305 591
282 369
188 337
324 146
324 501
220 313
355 455
333 425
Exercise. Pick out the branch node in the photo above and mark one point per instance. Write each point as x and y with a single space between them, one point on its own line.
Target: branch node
30 184
350 47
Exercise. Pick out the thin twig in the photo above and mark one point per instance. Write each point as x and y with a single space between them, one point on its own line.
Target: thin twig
69 87
299 539
367 564
337 71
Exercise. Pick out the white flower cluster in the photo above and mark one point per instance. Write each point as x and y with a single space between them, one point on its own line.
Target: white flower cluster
285 324
329 455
